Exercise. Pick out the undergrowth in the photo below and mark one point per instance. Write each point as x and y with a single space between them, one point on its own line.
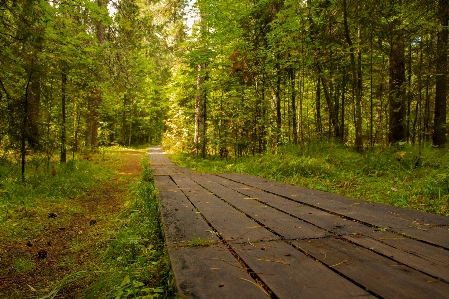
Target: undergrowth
46 191
401 175
107 255
135 263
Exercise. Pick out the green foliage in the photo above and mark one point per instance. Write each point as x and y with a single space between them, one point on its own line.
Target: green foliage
405 177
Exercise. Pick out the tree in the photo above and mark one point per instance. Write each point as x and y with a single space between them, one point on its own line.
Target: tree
397 108
439 131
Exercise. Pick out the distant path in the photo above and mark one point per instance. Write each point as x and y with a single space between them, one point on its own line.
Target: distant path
293 242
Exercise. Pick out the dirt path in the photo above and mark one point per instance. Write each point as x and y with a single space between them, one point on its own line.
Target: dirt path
68 241
239 236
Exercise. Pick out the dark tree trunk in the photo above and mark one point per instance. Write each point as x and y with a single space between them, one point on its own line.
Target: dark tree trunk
293 91
124 120
33 101
63 156
356 81
397 108
25 118
92 120
319 126
439 129
200 111
278 103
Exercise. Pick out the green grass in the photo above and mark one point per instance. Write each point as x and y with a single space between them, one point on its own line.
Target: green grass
42 193
23 264
198 242
135 263
399 175
127 259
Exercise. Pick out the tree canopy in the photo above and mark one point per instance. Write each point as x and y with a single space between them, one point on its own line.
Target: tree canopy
247 77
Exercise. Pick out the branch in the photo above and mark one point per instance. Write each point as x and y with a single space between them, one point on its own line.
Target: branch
4 89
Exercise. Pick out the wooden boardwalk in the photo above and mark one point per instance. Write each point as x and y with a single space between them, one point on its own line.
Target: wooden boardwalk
270 239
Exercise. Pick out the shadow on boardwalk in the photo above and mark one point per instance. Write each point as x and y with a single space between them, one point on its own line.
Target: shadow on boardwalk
239 236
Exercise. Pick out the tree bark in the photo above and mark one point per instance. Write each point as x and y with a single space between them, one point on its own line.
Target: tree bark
63 154
278 103
200 111
356 81
439 129
319 126
293 97
397 108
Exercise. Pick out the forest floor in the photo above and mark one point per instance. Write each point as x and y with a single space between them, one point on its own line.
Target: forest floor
65 238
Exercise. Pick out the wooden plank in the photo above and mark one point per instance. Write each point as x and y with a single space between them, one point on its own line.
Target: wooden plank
200 272
379 274
388 263
350 204
211 272
418 255
291 274
392 218
286 226
183 224
425 258
232 224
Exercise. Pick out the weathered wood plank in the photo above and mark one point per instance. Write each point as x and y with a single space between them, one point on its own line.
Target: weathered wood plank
383 276
283 224
395 219
291 274
418 255
211 272
183 224
427 259
359 244
230 223
200 272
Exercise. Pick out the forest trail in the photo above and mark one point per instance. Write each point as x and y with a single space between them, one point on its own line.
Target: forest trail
239 236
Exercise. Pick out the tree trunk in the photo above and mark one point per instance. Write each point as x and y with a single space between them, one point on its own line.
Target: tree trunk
278 102
319 126
63 154
124 120
356 81
397 108
439 129
293 91
200 111
24 128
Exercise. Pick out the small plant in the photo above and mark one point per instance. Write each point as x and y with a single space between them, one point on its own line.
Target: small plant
23 264
198 242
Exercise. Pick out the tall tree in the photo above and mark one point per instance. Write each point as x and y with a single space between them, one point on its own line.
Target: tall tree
356 81
439 130
397 108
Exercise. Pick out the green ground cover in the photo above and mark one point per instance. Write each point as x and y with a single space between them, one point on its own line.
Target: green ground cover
90 228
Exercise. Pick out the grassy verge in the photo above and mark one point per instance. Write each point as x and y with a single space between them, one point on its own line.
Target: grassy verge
402 176
135 263
87 229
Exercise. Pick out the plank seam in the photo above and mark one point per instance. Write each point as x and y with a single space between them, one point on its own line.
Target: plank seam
245 266
283 239
341 215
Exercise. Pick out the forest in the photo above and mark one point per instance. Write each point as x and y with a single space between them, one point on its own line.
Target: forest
344 96
246 78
